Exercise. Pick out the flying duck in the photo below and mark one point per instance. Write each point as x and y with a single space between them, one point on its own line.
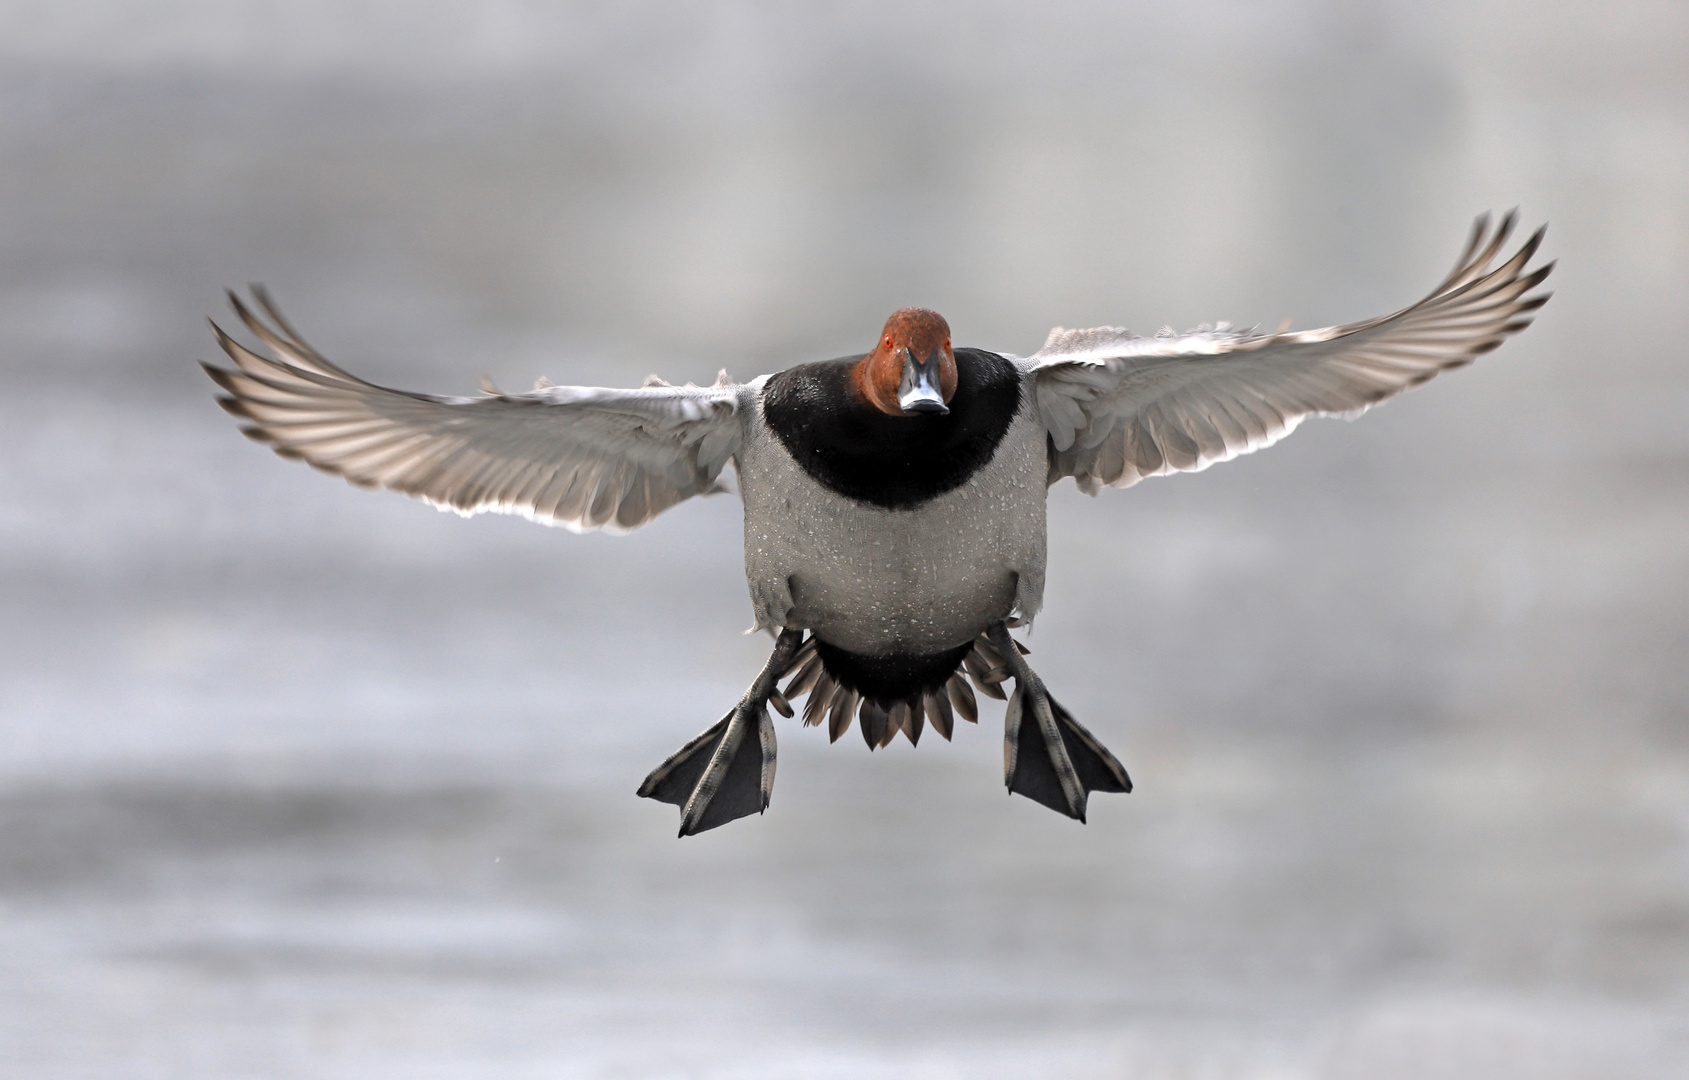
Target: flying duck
894 501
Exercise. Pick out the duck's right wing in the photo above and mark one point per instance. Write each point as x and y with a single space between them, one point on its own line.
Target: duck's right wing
580 457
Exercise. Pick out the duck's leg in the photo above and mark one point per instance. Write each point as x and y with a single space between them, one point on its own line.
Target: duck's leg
728 771
1047 755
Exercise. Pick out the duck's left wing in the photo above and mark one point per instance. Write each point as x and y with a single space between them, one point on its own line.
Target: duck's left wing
1119 407
581 457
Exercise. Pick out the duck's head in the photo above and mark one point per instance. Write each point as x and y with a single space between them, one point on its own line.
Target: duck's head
912 370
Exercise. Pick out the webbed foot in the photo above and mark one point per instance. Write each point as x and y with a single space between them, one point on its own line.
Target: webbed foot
728 771
1048 756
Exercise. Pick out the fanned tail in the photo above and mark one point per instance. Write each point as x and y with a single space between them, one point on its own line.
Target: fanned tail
880 720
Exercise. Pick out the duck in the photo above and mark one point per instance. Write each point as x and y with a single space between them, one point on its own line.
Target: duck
894 501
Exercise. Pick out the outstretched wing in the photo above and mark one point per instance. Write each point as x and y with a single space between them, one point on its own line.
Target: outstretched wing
1119 407
580 457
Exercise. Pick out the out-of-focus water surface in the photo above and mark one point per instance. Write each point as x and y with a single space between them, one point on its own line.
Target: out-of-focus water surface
300 781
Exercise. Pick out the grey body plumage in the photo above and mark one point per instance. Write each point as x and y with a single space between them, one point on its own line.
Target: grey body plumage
875 581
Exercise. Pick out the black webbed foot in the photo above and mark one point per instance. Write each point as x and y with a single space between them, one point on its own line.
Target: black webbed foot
1048 756
728 771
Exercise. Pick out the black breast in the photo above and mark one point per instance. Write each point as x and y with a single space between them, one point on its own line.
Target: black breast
897 462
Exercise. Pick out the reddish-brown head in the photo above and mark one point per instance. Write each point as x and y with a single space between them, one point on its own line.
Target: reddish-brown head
912 369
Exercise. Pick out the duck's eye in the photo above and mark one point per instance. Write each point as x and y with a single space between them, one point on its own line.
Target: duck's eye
888 342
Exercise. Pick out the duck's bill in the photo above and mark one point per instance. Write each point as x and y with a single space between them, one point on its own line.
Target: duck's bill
919 392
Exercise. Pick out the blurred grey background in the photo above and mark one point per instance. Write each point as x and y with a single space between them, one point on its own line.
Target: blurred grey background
300 781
